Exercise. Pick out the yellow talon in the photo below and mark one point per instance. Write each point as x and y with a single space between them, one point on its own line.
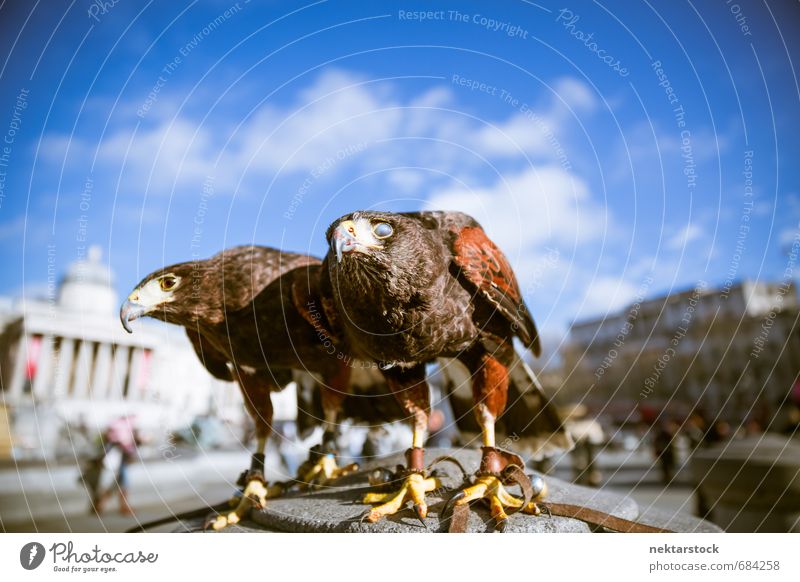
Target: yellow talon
323 471
255 494
496 509
491 489
477 491
372 498
414 488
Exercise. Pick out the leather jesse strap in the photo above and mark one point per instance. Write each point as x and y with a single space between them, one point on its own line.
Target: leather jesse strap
600 518
494 461
513 474
458 519
415 460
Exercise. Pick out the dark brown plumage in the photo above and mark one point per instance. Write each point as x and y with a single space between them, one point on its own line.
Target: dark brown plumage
252 314
409 288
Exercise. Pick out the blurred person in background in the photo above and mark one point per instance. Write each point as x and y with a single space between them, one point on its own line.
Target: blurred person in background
120 441
664 448
719 432
752 427
695 428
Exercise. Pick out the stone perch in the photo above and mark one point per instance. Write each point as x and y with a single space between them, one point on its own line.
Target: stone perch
339 508
752 484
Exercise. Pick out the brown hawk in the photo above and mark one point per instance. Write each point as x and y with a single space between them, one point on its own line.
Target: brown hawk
252 315
413 287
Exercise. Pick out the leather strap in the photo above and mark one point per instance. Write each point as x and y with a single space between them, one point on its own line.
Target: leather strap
599 518
415 459
494 461
458 519
514 475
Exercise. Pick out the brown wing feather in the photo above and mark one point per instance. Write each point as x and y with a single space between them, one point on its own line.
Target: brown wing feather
213 361
247 270
309 301
485 266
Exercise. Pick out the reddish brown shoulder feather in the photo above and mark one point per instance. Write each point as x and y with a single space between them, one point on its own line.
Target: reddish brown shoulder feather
485 266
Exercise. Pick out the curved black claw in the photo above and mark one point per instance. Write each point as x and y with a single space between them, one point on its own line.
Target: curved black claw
364 516
418 513
448 507
500 525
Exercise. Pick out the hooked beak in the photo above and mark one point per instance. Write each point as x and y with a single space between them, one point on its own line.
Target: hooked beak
130 311
344 240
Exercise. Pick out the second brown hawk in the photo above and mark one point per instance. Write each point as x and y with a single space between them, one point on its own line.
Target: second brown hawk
253 316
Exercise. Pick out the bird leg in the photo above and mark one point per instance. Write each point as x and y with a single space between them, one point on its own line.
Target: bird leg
255 492
411 389
321 466
256 392
490 388
490 486
413 488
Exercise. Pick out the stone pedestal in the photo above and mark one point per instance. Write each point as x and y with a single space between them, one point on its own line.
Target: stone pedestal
752 484
339 508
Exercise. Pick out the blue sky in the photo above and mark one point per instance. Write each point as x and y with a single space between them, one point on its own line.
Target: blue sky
599 143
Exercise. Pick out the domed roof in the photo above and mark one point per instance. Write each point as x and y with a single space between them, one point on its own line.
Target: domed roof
87 285
89 270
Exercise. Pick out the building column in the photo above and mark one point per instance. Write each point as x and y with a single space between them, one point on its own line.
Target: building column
66 355
119 369
102 372
18 375
42 384
83 370
133 375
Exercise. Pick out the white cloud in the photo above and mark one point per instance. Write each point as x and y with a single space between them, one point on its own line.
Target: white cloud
422 146
605 295
530 208
338 110
786 237
406 180
35 232
684 236
436 97
13 229
514 137
576 94
535 129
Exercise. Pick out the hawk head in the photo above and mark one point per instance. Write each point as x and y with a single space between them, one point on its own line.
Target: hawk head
166 294
392 250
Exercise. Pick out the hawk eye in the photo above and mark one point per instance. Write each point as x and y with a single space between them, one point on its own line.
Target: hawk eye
167 283
383 230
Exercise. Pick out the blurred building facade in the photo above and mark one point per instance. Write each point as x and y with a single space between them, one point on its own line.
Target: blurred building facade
732 353
66 364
